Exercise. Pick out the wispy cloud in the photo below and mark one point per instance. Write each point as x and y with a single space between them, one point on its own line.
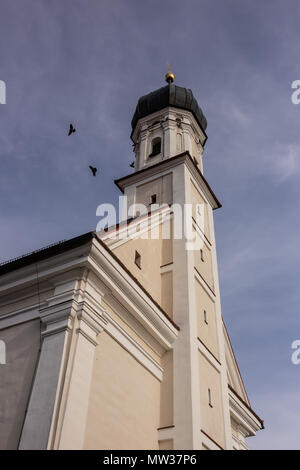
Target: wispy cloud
287 163
239 115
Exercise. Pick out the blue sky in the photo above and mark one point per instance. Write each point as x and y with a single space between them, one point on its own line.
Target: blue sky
87 62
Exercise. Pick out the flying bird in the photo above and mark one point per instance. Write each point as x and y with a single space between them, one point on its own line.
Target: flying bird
132 165
93 170
72 129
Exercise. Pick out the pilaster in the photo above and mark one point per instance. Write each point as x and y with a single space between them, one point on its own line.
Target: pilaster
219 323
57 325
143 145
187 432
73 425
169 137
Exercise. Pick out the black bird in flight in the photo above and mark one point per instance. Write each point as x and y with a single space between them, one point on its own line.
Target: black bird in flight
93 170
72 129
132 165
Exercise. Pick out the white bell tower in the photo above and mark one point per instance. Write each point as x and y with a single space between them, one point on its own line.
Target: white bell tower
168 131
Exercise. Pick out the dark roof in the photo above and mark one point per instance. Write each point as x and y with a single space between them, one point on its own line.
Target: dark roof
46 252
169 95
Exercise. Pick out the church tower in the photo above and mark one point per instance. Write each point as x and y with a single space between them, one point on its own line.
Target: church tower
115 339
168 133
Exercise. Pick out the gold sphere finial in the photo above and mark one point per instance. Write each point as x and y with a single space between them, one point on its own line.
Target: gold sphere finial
170 77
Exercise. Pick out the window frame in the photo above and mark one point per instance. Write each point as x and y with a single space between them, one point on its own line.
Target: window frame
153 196
155 141
138 259
210 398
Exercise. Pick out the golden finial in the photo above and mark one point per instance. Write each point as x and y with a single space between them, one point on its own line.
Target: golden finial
170 77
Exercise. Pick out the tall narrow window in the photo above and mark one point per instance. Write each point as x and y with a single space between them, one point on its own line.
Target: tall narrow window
201 255
156 147
138 260
205 316
153 199
209 398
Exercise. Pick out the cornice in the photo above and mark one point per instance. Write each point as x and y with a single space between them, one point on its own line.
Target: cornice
95 255
131 294
162 114
165 165
243 414
57 263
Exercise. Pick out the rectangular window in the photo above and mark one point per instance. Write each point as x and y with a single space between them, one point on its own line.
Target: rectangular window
138 260
209 398
205 316
153 199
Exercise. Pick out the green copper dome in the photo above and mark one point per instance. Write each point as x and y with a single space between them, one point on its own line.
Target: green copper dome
170 95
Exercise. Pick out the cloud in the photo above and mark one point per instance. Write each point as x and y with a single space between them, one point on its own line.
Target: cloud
239 115
287 164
